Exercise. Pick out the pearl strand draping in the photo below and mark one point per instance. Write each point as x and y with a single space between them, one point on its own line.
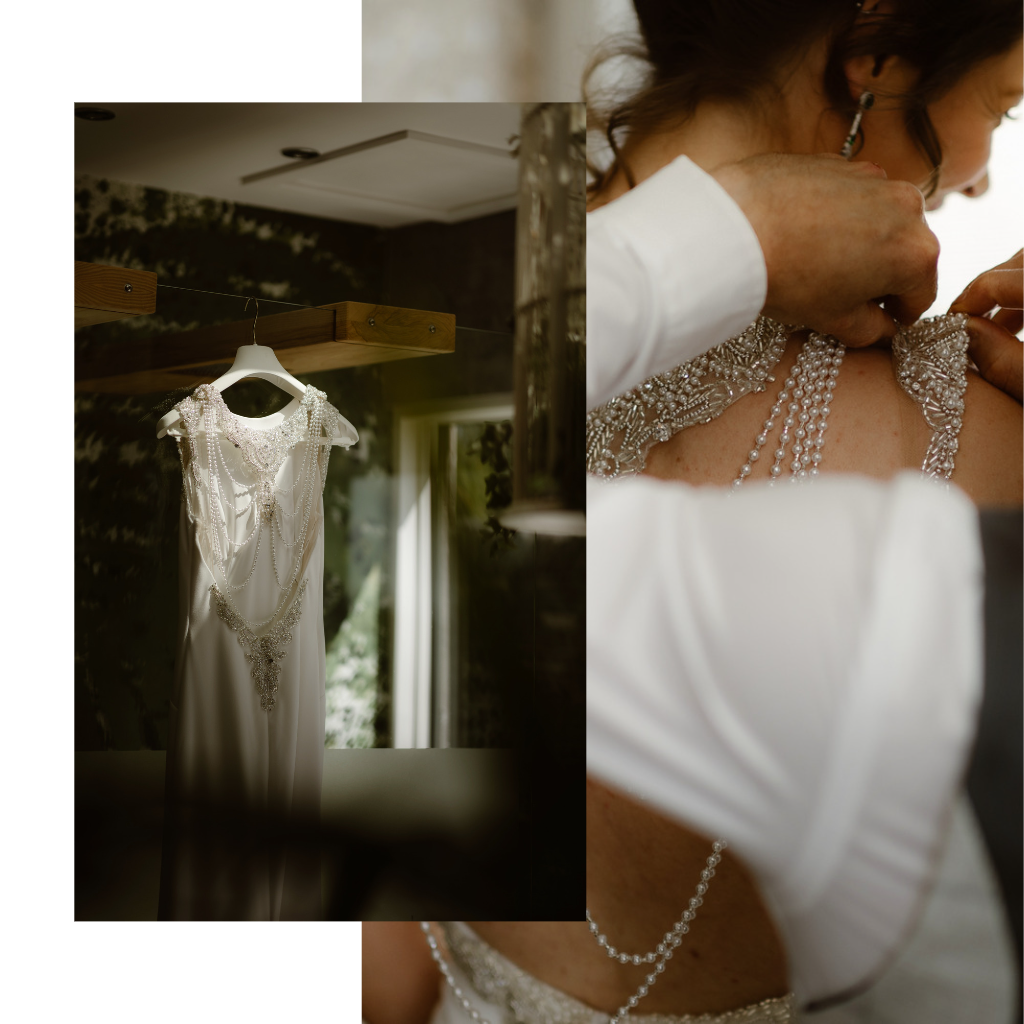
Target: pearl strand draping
670 941
658 956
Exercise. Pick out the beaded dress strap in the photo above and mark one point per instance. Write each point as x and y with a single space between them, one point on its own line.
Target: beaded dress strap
622 432
929 363
930 360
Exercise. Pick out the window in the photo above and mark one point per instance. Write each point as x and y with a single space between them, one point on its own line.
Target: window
448 600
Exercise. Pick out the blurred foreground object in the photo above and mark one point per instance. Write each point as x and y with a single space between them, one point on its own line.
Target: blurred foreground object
474 50
547 472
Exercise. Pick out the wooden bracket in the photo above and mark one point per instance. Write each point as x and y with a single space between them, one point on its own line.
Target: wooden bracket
111 293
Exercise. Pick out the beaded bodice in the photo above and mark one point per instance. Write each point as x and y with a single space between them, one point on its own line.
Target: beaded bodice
929 363
253 494
525 1000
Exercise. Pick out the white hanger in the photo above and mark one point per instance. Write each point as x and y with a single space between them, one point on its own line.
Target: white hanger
260 361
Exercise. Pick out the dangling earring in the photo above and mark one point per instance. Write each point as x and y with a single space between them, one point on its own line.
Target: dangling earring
865 103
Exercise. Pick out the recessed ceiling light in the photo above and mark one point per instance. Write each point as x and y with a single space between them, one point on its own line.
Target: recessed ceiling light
299 153
94 114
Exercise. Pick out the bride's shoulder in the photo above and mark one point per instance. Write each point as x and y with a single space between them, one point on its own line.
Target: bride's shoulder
990 463
879 429
399 977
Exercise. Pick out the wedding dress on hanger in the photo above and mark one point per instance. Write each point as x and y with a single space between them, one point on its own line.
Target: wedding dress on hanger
245 749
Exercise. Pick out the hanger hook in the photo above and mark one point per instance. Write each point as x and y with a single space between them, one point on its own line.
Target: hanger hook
256 317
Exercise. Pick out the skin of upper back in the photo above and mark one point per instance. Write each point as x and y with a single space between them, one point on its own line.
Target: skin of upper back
875 429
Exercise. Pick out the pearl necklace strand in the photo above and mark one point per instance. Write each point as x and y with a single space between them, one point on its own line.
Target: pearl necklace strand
435 952
658 956
808 392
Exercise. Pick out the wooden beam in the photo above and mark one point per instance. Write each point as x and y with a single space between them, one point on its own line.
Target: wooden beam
338 335
111 293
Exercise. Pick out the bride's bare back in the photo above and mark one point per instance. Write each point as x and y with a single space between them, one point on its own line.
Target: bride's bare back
641 872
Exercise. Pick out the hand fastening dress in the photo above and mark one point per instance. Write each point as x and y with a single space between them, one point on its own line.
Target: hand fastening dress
245 748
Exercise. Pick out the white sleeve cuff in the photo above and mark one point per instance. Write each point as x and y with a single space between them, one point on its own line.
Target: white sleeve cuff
673 268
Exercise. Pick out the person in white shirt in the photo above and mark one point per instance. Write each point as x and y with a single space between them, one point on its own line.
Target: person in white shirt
731 654
644 734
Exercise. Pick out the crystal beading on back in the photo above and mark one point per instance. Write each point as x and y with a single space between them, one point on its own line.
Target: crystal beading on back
206 422
929 363
622 432
264 653
930 358
521 998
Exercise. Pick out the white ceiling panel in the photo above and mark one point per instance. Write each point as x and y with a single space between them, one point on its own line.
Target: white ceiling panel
451 162
425 177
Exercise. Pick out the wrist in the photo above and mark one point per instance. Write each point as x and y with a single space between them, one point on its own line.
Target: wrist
741 186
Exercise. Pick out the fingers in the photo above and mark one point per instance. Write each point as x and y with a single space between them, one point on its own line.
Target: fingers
998 355
993 288
868 324
920 260
909 307
1010 319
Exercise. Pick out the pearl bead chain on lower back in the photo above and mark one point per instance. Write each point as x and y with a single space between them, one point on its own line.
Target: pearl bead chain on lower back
435 952
670 941
659 956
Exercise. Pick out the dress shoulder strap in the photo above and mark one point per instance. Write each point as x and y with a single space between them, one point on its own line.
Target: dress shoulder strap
930 362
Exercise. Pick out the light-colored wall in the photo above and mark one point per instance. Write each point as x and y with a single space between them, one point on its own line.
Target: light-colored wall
474 50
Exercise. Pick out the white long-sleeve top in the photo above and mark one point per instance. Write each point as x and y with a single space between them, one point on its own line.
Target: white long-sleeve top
796 670
673 267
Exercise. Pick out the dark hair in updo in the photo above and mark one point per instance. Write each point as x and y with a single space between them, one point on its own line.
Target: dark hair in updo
697 50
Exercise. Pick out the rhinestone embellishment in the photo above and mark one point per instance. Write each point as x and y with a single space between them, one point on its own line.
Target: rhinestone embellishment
622 432
264 652
526 1000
